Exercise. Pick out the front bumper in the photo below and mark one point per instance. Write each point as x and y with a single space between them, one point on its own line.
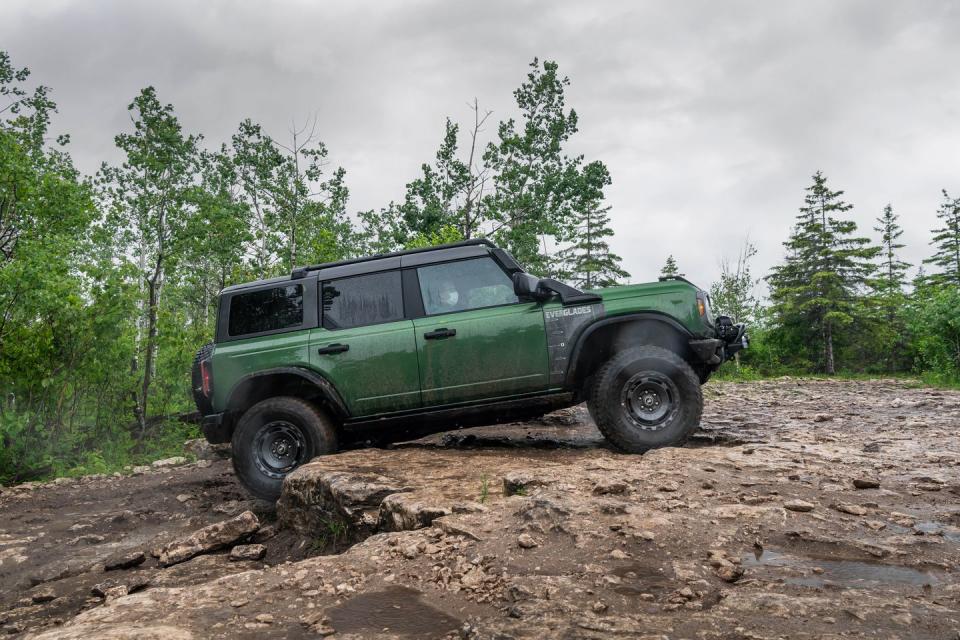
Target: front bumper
730 339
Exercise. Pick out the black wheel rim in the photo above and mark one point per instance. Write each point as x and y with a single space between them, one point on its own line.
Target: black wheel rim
649 400
278 448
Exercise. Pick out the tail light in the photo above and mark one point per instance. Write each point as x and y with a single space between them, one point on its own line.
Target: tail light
205 377
701 305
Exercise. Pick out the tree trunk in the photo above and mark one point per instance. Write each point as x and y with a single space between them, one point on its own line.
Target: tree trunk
828 348
148 361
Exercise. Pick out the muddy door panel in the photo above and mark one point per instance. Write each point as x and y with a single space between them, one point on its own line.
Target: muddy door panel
480 354
374 368
365 347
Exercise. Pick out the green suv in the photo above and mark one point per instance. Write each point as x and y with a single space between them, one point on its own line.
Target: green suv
395 346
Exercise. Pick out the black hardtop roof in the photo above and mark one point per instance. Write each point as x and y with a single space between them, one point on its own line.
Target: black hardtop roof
385 258
300 272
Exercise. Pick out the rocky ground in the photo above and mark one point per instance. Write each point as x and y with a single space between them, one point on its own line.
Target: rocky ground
801 509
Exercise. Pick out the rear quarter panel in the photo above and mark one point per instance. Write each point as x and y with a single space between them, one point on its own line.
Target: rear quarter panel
235 359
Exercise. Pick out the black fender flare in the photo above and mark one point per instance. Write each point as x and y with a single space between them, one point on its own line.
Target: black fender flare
325 387
642 316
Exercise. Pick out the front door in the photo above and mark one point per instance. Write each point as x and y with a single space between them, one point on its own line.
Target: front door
365 347
477 340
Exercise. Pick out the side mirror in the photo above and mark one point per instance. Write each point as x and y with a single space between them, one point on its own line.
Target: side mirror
528 286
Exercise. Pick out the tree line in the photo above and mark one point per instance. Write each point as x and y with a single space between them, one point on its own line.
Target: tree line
109 282
843 302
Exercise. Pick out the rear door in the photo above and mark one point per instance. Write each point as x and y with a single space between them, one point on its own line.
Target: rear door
364 345
477 340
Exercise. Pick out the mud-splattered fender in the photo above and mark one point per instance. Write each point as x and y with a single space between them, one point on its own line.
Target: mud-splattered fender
564 325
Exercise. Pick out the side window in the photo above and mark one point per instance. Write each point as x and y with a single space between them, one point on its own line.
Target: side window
362 300
463 285
266 310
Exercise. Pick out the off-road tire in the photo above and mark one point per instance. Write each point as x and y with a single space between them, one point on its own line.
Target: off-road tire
282 423
613 399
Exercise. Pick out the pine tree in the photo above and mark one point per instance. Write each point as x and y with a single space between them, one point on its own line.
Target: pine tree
816 290
588 262
670 268
947 241
888 287
893 271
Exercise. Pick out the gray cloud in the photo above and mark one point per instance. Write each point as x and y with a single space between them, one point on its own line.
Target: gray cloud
711 116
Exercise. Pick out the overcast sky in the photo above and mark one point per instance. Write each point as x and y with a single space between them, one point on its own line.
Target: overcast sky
711 116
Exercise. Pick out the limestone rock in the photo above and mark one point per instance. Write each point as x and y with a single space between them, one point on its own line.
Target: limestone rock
852 509
203 450
211 538
408 511
168 462
798 505
866 483
610 487
519 483
248 552
124 561
526 541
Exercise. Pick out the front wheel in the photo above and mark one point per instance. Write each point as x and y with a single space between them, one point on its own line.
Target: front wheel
276 436
645 398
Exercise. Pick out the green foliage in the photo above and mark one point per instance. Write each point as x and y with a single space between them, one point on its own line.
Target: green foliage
442 235
889 300
534 181
670 268
947 242
816 292
588 262
733 294
934 322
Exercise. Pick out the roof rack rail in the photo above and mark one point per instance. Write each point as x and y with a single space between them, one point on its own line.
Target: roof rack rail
301 272
680 278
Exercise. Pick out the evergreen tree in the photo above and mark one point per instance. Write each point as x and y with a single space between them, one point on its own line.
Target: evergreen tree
588 262
888 288
893 271
670 268
815 292
947 241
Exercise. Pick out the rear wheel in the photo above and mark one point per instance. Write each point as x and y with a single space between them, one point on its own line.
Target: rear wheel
645 398
276 436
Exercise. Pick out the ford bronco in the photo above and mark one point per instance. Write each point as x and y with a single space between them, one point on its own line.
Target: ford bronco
395 346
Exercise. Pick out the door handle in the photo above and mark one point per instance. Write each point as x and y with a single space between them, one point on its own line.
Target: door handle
439 333
333 348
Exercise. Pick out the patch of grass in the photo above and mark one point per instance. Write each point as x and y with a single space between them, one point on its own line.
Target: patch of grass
484 488
334 535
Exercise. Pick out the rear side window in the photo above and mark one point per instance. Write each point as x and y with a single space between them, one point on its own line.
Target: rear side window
266 310
362 300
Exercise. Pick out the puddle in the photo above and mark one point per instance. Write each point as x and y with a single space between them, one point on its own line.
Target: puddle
395 610
841 573
937 529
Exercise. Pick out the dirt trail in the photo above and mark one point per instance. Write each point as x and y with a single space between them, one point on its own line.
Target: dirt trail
800 509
